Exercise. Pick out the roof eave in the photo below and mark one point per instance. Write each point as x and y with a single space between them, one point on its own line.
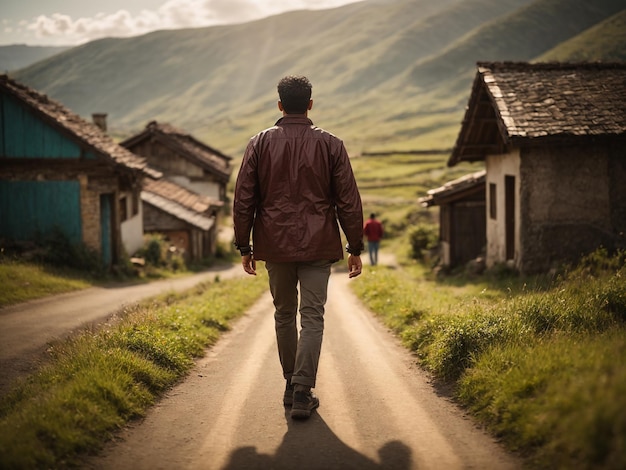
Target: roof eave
170 143
137 166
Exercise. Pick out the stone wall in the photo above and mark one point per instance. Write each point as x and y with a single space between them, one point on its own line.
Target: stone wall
91 212
617 191
565 204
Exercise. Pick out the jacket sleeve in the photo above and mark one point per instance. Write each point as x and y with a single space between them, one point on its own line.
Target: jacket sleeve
347 199
246 197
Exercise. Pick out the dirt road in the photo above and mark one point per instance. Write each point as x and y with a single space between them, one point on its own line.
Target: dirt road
377 409
27 328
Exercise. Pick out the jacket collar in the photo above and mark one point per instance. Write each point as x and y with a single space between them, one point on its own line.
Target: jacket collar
294 119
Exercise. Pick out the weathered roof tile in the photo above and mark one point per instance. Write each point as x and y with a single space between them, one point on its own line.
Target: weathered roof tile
201 221
542 101
452 188
191 148
552 98
83 130
189 199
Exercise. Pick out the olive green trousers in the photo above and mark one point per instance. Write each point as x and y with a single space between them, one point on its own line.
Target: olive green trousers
299 351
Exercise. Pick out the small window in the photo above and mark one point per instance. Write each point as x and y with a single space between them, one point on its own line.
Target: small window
492 201
123 209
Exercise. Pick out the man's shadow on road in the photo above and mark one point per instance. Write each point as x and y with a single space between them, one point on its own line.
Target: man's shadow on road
311 445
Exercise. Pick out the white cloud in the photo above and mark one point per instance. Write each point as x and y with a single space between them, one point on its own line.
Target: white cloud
67 30
173 14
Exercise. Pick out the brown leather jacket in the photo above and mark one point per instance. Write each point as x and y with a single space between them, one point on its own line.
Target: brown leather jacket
294 183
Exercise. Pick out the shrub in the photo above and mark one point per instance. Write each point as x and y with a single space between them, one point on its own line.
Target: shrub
600 261
154 249
57 250
159 253
423 238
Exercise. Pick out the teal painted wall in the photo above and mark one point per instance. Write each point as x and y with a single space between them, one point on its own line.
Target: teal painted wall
25 135
29 207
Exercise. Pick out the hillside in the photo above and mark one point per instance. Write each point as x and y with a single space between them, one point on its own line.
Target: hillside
386 74
607 41
520 36
18 56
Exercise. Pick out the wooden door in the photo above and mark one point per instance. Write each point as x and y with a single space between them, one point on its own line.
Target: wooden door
509 216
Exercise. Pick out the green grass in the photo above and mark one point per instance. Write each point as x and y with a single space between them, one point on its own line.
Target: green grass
96 381
559 401
539 361
24 281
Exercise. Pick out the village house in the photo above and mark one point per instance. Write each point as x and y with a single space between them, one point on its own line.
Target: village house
183 159
552 138
462 220
58 170
189 221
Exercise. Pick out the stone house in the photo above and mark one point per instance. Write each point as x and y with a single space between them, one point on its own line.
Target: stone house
188 220
59 170
183 159
552 139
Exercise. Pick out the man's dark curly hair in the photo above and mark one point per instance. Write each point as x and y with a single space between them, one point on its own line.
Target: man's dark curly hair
295 94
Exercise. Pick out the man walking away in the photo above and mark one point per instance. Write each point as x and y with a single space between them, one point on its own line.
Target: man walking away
294 183
373 231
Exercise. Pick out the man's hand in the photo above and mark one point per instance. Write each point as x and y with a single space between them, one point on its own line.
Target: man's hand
354 266
249 264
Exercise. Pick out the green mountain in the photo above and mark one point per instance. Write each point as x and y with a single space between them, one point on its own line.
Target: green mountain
519 36
606 41
18 56
386 74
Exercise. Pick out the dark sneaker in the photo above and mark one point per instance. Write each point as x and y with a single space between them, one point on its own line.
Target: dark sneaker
303 404
288 397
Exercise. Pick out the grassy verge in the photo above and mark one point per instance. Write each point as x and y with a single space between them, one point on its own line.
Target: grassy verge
540 363
23 281
20 282
51 271
98 380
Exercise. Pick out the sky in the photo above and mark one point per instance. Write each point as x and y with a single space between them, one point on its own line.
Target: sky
74 22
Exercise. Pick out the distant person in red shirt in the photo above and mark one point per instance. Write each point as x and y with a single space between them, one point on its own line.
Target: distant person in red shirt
373 231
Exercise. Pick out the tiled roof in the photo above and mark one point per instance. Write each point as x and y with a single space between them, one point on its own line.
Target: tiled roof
179 202
535 100
186 198
188 146
453 188
77 127
532 103
200 221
